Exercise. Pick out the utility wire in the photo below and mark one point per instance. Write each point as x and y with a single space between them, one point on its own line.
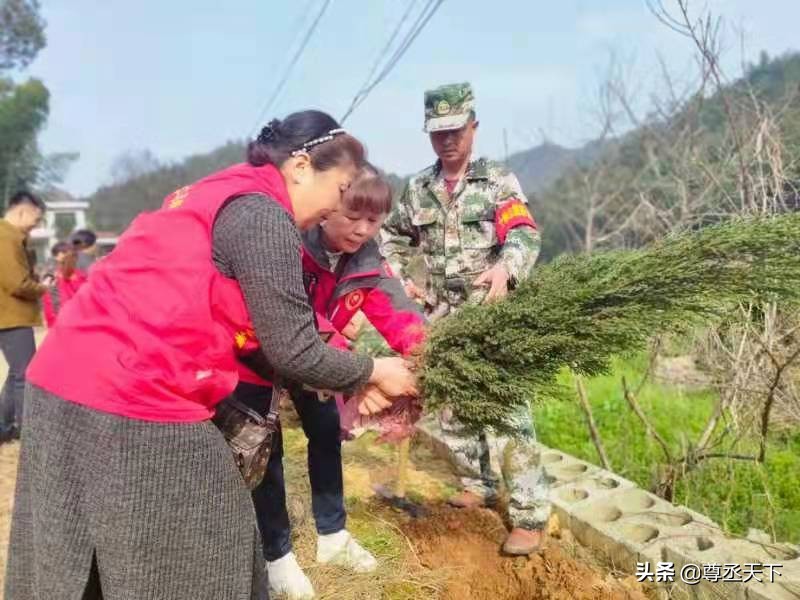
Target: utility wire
422 20
287 73
420 24
385 50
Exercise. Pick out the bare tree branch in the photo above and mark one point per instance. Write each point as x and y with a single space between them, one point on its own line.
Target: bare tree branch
651 431
587 410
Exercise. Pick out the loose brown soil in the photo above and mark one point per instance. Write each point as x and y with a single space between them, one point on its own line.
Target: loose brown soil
466 543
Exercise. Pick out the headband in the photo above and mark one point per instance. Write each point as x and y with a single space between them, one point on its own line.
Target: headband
317 141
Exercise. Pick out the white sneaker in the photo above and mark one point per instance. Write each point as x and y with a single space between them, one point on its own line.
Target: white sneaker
341 549
286 577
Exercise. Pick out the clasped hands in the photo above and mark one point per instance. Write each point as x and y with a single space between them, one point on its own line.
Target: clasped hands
391 379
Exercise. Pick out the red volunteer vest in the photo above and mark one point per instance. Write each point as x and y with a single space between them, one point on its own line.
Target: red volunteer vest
147 336
334 309
54 300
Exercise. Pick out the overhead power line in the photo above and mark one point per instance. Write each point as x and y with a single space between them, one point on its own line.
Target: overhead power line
385 50
290 67
422 20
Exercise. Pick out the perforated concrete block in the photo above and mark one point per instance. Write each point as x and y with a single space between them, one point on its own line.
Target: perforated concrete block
787 585
697 552
719 550
697 517
563 468
595 487
614 525
773 591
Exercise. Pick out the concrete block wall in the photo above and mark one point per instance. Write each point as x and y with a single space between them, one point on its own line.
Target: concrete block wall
630 525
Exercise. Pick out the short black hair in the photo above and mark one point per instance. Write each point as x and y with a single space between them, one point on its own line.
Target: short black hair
26 197
59 248
83 238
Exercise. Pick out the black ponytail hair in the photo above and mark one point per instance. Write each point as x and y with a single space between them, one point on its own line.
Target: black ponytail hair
279 139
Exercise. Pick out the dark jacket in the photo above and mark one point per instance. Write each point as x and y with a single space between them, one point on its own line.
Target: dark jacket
362 282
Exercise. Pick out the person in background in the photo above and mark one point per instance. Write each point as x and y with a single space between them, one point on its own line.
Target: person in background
66 281
84 242
344 273
19 305
126 488
471 221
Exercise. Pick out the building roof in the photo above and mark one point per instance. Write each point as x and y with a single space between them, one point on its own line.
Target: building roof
58 199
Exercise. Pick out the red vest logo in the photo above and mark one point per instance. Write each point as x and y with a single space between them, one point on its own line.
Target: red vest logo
243 336
354 300
178 197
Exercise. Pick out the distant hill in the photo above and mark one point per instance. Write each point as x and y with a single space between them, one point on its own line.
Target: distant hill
683 169
539 167
114 206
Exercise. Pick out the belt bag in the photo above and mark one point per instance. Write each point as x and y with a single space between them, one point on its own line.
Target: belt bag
249 434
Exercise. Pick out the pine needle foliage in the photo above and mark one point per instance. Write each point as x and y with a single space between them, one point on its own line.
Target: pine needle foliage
489 361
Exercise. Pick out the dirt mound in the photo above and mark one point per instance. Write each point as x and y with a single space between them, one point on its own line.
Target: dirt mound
466 543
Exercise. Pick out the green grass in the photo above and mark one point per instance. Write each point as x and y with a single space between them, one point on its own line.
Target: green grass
369 341
400 576
736 494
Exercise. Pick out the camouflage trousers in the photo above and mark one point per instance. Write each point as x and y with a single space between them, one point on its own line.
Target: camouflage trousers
486 460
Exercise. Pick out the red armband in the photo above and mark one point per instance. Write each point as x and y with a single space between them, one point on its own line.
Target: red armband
509 215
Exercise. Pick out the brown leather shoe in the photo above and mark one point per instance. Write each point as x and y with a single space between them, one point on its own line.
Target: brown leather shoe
521 542
466 499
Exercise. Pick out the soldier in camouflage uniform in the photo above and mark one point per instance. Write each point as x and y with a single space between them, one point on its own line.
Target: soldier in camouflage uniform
470 220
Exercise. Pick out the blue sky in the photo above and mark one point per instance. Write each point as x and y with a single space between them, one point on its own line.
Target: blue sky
180 77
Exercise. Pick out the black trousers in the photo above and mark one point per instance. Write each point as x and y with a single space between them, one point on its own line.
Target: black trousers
320 422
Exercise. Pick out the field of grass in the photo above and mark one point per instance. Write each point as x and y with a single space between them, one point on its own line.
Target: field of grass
737 494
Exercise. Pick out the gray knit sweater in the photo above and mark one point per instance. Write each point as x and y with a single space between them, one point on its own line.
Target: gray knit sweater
257 243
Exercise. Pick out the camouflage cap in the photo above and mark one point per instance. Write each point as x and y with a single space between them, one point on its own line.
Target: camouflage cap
448 107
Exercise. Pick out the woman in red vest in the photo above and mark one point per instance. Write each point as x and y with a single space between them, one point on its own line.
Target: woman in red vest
125 488
344 273
67 279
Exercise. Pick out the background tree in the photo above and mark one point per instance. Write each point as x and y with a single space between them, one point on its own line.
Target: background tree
140 181
21 33
23 113
24 107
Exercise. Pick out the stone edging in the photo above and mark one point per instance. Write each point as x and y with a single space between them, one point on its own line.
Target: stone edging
629 525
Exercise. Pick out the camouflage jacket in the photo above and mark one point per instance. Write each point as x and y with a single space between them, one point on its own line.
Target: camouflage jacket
460 235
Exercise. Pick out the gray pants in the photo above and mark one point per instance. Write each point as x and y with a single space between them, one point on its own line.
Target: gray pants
18 346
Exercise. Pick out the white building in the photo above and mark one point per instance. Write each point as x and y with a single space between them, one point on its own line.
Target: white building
64 215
